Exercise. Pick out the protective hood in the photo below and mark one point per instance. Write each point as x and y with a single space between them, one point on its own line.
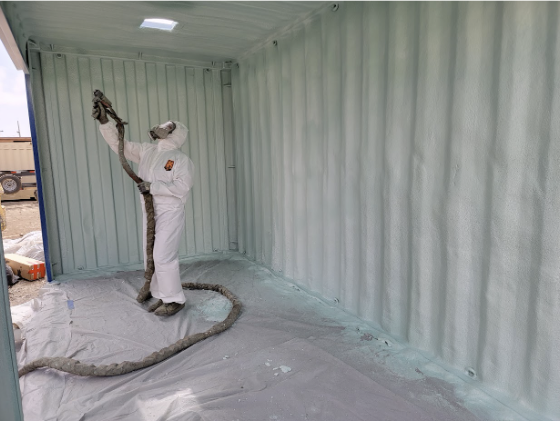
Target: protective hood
175 139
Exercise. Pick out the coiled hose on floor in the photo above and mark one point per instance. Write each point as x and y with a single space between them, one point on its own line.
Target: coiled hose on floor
78 368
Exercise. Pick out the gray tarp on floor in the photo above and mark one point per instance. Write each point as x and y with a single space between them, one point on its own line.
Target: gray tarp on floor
289 356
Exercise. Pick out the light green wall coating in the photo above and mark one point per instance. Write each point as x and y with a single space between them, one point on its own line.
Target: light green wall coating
94 211
402 159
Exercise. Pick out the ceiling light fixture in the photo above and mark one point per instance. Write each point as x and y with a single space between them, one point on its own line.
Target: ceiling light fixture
163 24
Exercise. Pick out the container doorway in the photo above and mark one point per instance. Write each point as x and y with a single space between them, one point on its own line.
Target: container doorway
22 233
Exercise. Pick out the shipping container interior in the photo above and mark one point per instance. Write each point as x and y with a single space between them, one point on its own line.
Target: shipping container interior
376 181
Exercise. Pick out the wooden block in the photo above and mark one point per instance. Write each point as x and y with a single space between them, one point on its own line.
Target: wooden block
26 267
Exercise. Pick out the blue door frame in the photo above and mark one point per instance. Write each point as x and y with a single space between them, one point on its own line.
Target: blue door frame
38 176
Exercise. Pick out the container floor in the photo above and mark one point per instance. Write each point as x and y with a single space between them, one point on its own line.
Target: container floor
290 356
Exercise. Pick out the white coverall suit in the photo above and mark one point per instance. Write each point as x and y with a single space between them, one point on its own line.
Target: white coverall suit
171 173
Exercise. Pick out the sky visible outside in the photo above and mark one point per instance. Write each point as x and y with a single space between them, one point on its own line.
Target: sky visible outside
13 99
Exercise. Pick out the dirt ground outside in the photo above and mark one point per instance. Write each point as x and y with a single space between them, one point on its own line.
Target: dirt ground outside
22 217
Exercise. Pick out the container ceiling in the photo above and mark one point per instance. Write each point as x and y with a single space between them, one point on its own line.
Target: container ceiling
206 31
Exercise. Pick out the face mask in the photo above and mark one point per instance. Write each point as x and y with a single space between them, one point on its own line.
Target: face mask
161 131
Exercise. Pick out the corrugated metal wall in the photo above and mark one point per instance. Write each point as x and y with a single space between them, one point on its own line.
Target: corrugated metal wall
92 206
403 159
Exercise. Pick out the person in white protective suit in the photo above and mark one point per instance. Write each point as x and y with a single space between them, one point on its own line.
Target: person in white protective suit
168 176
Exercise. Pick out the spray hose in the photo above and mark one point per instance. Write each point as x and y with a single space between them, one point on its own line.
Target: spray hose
72 366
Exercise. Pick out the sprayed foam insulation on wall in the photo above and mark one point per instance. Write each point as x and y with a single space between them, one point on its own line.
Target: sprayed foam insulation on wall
93 209
403 159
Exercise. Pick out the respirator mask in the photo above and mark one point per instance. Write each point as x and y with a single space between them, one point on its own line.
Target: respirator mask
161 131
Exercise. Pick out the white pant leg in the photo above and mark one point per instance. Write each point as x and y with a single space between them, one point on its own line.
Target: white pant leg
166 282
145 241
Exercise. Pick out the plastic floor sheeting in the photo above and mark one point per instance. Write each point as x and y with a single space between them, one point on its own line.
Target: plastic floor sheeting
290 356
